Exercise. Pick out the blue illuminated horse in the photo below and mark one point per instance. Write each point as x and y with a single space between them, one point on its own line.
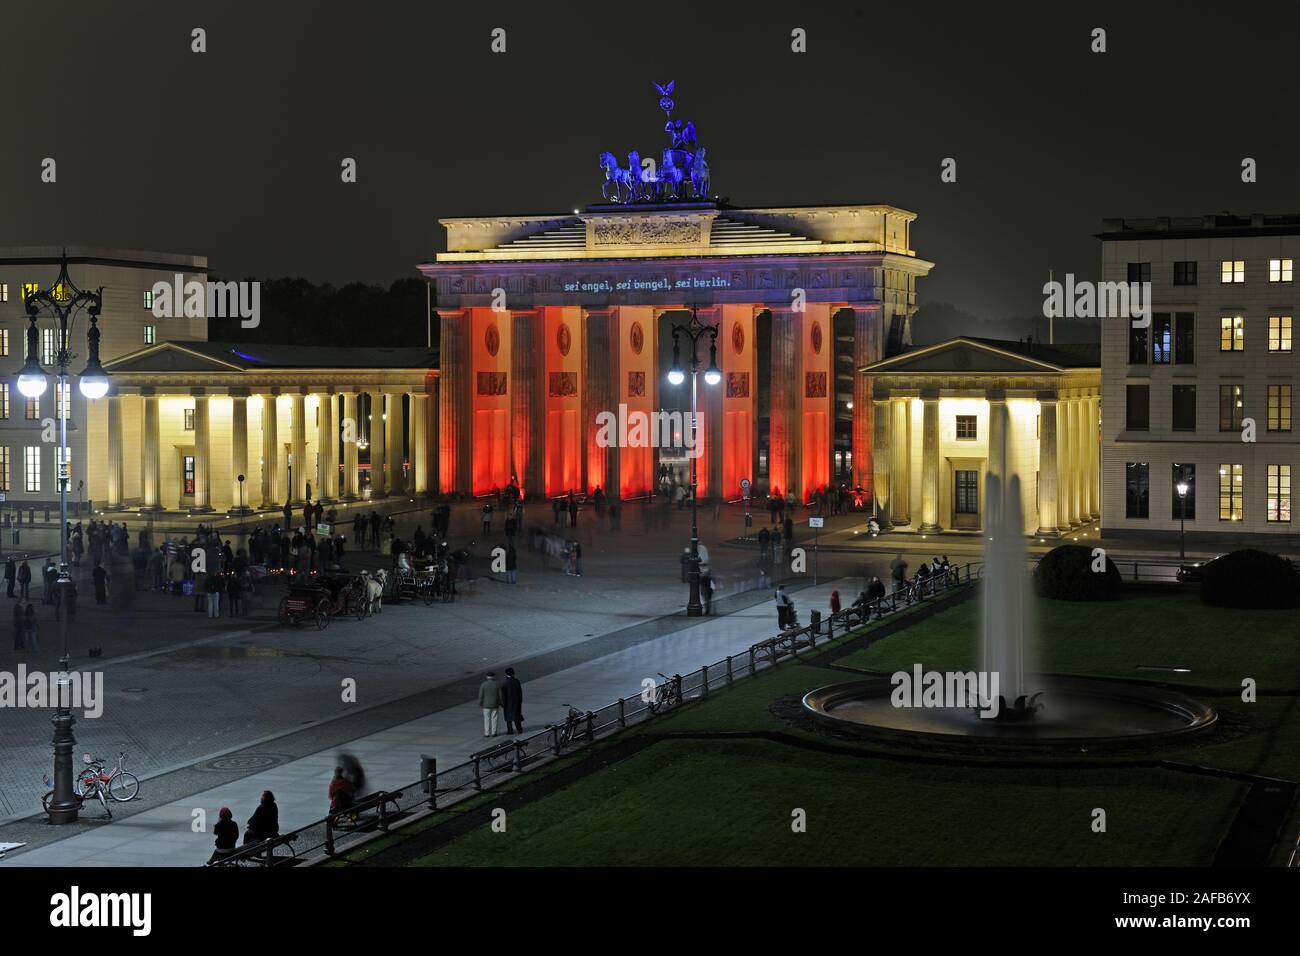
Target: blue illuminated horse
700 175
618 180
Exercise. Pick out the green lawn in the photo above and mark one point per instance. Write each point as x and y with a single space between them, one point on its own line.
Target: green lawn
730 803
712 802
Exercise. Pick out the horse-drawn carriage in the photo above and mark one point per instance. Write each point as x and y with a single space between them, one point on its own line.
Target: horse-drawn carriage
323 597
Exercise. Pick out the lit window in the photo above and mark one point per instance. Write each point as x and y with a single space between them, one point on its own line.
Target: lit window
1234 270
62 397
1232 400
4 291
4 399
4 468
49 346
148 298
187 479
1279 408
189 420
1231 484
32 467
1279 270
4 342
148 335
1232 333
966 429
29 288
1279 333
1279 492
33 408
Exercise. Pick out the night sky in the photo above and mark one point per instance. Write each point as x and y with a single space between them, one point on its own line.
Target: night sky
235 153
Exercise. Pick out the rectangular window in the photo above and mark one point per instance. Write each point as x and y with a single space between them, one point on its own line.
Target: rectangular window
1233 270
1185 338
4 468
966 429
32 468
1137 345
29 288
1162 338
148 335
4 342
1279 408
4 291
1279 270
1185 474
49 346
187 487
1231 400
1232 333
148 298
62 396
1184 408
1279 491
1139 272
189 420
1185 273
1231 484
33 410
1279 333
1137 417
1137 490
968 495
4 400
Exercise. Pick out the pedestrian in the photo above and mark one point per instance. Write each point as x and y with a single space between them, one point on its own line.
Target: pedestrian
20 627
764 541
706 593
49 575
11 574
835 602
24 578
234 594
341 792
226 832
573 512
576 556
487 519
784 608
265 821
898 572
512 564
212 589
31 629
100 577
489 698
512 702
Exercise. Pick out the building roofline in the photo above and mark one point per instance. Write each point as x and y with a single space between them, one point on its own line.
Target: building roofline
103 256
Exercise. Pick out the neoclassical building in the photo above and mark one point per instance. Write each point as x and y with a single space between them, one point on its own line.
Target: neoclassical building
948 415
184 420
548 321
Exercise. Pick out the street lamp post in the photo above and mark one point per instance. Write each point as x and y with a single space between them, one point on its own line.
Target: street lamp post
63 302
1183 488
694 331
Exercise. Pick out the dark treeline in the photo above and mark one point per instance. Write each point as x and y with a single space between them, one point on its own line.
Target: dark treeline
295 311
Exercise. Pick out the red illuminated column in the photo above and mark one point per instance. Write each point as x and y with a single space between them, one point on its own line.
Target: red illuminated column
866 321
783 455
598 397
526 403
710 402
453 402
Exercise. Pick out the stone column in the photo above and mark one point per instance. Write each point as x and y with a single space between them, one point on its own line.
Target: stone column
900 484
1065 465
351 435
115 472
326 449
298 445
1094 449
454 405
598 396
866 321
1078 462
1047 470
150 463
420 471
710 406
396 444
783 459
239 451
527 412
378 446
883 421
202 452
997 460
930 463
270 452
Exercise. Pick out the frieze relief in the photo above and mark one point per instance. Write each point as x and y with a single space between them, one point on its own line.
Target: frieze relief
647 232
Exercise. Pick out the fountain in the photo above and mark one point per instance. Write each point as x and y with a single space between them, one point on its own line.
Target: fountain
1031 708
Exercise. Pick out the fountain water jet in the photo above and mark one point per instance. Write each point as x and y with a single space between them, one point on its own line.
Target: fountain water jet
1008 637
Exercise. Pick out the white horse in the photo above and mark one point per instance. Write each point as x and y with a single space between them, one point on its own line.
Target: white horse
375 589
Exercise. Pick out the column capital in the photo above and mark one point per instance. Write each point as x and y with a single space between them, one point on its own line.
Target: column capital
238 391
148 391
998 395
198 392
929 393
1045 398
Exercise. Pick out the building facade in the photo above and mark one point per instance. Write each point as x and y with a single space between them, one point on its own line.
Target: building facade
1204 395
547 322
949 415
29 462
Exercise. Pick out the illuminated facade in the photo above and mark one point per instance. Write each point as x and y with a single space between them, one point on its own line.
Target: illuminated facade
948 415
548 321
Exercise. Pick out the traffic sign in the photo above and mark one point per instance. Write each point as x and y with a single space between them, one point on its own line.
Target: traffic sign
815 522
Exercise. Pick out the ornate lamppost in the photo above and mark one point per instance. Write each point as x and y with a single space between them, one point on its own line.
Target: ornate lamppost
1182 487
694 331
63 302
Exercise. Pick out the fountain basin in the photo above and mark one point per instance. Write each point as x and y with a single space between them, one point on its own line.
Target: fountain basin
1078 712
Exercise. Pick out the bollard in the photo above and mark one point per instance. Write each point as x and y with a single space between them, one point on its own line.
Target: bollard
555 740
517 765
478 781
729 677
622 713
704 683
816 624
429 774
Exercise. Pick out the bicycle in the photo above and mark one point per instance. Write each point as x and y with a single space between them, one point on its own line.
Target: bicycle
120 784
666 694
569 729
80 793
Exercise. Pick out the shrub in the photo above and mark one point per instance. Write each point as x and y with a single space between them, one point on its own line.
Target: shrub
1250 579
1066 573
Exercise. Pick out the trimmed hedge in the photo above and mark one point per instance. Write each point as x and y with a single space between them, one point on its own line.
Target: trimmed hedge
1066 573
1250 579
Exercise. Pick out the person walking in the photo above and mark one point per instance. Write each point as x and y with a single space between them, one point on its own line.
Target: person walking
898 572
49 574
487 520
100 577
24 578
512 702
489 698
784 608
212 588
512 564
835 602
11 574
235 594
573 511
706 593
31 629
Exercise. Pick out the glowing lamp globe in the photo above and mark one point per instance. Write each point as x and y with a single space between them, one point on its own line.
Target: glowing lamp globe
31 385
94 386
675 377
712 376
